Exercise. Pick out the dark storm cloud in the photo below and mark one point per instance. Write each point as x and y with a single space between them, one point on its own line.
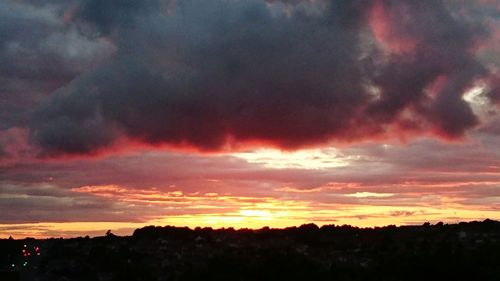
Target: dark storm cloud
38 54
212 74
441 44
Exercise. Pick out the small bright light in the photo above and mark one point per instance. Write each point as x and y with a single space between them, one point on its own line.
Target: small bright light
374 91
473 96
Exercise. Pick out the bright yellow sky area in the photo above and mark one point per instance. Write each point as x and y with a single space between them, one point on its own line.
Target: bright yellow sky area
276 215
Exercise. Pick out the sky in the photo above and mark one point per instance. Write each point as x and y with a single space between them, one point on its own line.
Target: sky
246 113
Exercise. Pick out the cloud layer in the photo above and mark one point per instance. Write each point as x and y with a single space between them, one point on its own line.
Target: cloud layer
216 75
377 185
143 84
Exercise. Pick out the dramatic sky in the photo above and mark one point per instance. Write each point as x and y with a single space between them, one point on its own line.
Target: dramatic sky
122 113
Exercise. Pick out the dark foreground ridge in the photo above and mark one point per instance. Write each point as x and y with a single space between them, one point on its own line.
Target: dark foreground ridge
464 251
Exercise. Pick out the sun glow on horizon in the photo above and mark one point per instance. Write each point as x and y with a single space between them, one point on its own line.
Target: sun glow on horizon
368 209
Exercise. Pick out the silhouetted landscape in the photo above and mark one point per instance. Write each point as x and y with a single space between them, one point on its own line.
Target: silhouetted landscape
464 251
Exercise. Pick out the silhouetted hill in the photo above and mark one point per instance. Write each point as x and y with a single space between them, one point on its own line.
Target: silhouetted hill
464 251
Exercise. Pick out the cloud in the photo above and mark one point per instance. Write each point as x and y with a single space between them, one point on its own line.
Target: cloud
378 184
136 78
222 74
38 54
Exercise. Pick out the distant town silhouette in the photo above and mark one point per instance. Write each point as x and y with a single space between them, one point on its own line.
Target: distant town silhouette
463 251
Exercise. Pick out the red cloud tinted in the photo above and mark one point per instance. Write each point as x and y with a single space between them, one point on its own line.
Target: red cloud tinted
215 74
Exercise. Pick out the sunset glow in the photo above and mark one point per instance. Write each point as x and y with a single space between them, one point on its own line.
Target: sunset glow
301 159
227 113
